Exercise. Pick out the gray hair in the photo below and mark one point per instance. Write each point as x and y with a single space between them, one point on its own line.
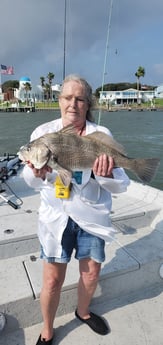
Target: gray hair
88 93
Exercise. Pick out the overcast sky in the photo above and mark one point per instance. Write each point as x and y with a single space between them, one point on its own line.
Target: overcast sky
31 39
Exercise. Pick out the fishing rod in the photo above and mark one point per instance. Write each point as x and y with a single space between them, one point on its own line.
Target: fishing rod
8 167
9 202
105 58
64 39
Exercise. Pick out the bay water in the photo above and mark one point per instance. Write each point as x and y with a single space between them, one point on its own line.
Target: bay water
140 132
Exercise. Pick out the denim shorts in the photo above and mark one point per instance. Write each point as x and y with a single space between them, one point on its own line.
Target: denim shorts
84 244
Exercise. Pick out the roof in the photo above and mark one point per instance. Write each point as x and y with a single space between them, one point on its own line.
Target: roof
27 79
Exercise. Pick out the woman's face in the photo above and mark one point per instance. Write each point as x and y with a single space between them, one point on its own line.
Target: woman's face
73 103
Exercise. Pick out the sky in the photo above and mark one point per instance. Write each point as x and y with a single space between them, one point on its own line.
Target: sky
106 40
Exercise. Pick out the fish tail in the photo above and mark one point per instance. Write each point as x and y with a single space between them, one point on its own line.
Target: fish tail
145 169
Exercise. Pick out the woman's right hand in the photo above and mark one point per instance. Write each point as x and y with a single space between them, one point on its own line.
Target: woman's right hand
41 173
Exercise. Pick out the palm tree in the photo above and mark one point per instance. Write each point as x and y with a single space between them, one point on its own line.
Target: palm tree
42 79
47 91
139 73
27 87
50 77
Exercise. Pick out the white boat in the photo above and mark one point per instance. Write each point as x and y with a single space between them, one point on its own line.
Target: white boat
134 261
132 271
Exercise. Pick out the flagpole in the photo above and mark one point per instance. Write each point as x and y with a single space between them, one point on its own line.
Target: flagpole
7 71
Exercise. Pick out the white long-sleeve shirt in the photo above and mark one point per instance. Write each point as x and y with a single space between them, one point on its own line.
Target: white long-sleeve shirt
89 203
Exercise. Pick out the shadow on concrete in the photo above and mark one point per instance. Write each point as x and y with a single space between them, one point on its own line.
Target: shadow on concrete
148 251
9 336
62 331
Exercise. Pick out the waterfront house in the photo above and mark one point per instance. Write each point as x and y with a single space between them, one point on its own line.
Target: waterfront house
126 97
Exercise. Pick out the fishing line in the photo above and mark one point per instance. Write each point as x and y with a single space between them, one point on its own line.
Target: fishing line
116 23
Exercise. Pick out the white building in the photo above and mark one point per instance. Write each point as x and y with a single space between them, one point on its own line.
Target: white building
21 93
36 93
125 97
159 91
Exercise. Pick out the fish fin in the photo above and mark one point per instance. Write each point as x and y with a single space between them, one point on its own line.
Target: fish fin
107 140
68 130
145 169
65 176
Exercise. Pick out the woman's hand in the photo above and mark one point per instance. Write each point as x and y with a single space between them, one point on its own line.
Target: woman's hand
41 173
103 166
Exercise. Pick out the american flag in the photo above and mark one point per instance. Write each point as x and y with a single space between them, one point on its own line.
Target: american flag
10 70
7 70
3 69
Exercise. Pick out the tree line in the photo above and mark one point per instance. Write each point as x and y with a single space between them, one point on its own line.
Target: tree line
125 85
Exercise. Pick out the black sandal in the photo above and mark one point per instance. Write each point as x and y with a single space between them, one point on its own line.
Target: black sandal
43 341
96 323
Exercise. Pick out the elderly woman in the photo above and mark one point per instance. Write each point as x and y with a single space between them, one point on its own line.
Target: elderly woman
79 221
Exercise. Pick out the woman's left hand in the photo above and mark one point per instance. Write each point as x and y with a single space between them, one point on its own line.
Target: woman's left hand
103 166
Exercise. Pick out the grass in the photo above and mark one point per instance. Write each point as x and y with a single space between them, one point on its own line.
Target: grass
46 105
159 102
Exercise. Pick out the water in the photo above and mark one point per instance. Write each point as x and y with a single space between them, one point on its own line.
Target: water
141 133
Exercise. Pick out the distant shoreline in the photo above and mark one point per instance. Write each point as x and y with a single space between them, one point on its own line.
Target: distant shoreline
28 109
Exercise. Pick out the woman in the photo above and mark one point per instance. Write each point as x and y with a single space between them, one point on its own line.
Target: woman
80 221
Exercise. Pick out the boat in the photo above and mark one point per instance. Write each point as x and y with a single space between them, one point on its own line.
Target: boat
134 261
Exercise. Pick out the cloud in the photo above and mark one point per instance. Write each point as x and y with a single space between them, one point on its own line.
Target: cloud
158 68
31 36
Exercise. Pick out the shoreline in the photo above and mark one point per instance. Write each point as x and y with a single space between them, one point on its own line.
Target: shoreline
27 109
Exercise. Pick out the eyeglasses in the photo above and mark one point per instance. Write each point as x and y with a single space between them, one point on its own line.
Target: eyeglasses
75 99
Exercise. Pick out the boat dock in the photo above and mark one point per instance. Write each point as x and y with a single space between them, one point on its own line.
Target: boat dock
130 290
27 109
23 109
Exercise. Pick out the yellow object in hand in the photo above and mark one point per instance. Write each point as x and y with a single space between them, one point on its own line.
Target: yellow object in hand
61 191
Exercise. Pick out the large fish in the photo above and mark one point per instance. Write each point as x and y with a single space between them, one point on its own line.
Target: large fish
65 152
